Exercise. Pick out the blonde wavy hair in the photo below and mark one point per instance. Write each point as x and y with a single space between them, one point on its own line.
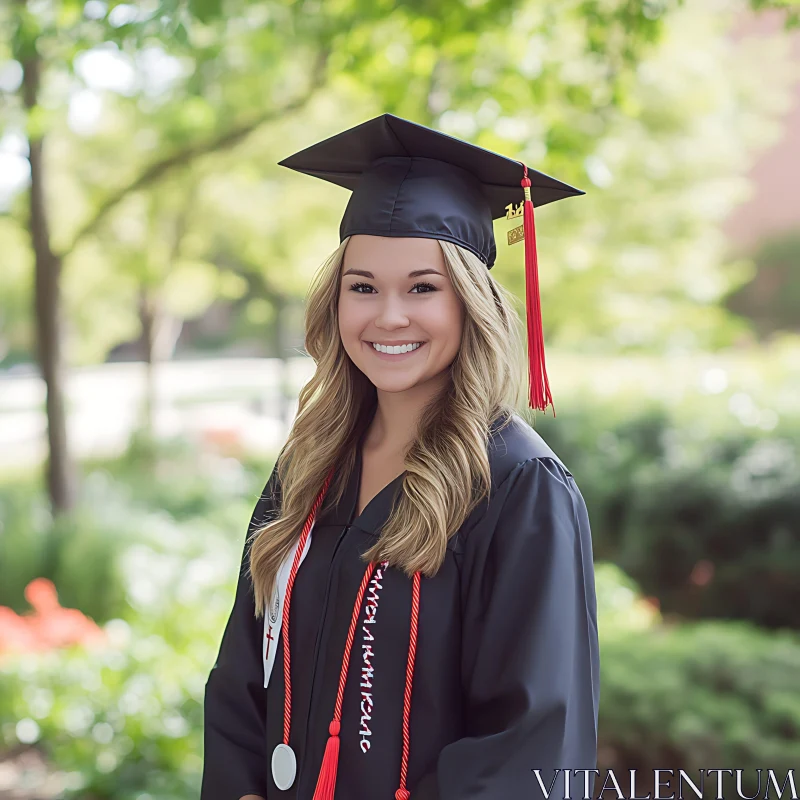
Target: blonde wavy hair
447 466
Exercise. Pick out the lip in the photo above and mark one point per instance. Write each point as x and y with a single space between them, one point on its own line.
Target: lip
399 342
394 356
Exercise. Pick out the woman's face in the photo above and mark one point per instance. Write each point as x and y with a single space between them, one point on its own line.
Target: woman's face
396 291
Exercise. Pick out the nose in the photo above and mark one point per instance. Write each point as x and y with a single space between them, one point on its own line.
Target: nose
392 314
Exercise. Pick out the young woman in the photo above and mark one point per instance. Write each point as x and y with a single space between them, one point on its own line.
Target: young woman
415 614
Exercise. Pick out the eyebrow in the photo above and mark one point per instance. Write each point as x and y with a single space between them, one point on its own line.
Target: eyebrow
416 273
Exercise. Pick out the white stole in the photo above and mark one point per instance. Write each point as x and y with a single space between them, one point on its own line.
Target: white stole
273 616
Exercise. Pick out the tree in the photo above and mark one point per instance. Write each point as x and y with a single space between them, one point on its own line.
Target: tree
59 30
506 64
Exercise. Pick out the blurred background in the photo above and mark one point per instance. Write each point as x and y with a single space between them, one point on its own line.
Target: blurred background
153 265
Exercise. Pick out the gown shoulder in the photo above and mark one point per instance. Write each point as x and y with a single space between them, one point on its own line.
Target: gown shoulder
513 443
530 655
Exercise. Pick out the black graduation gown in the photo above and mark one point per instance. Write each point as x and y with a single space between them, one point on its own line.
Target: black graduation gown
506 679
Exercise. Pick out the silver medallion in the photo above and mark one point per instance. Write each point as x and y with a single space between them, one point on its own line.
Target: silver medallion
284 766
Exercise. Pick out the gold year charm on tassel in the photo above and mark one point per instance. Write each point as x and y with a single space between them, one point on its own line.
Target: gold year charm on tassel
514 210
516 234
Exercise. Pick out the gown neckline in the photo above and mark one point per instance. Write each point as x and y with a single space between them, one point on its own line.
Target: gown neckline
377 509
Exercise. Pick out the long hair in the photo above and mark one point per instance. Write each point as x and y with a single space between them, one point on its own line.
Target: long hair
447 466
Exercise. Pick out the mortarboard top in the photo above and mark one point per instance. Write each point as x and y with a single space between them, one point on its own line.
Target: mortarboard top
408 180
411 180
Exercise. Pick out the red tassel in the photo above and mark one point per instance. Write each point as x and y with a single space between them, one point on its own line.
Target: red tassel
326 783
540 395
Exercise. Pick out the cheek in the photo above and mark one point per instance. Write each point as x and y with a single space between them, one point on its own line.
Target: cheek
444 319
352 319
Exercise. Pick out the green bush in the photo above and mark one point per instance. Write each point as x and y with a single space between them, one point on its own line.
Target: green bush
704 515
123 501
701 695
620 605
177 477
114 724
739 521
126 719
153 551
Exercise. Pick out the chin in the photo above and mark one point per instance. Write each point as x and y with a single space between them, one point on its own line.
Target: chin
392 386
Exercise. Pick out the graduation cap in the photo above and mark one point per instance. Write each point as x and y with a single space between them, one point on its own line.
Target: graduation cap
408 180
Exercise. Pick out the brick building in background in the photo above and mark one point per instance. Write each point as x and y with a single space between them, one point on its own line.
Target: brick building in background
766 226
774 206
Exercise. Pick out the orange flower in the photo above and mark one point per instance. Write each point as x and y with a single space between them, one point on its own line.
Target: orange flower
49 626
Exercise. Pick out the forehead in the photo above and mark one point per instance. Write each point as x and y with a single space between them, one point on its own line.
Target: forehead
392 250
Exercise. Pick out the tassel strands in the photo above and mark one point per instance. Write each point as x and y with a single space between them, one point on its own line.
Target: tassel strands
287 658
326 782
284 760
540 396
402 793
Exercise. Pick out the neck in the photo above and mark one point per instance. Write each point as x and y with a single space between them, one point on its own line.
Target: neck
394 427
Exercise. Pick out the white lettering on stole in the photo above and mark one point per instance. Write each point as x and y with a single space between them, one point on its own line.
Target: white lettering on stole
367 654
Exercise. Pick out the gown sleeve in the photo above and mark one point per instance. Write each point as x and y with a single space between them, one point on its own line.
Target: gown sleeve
234 724
530 656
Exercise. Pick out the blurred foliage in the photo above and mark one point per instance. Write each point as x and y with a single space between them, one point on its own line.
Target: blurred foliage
771 299
166 527
721 539
164 122
127 718
688 697
706 518
80 554
126 503
620 604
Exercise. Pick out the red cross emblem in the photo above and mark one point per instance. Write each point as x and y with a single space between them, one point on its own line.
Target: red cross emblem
270 638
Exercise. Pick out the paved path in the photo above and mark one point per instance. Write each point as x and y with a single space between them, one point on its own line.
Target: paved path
235 397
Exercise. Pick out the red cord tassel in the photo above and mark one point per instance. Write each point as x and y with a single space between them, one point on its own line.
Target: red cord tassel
540 395
326 783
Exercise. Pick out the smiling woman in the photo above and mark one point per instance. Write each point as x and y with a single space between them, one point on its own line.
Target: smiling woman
415 615
391 307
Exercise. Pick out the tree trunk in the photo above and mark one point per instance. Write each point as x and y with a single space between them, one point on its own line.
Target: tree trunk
49 323
147 317
160 333
281 336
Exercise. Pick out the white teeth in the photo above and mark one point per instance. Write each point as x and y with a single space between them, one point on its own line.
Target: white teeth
403 348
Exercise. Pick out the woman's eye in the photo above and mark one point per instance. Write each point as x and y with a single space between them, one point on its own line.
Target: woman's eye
429 287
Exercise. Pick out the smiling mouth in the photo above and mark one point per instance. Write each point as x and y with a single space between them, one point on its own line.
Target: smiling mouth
395 350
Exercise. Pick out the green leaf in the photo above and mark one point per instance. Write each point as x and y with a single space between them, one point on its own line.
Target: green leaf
69 12
26 30
206 10
181 35
38 122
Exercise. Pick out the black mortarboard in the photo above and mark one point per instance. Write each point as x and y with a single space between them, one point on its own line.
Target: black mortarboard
411 181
